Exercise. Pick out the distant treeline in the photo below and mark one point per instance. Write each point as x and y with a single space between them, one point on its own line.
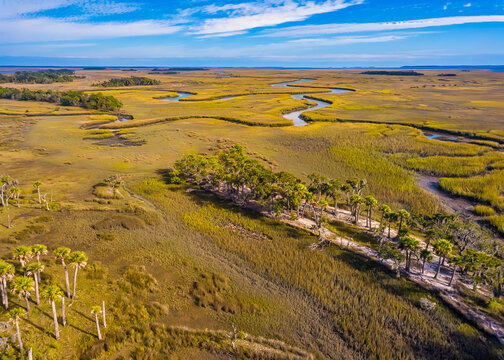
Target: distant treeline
447 74
128 81
179 69
39 77
384 72
96 101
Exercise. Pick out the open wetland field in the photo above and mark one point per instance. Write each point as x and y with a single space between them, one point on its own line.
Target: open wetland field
222 212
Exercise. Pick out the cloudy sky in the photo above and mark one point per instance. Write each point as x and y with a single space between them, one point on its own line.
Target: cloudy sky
290 33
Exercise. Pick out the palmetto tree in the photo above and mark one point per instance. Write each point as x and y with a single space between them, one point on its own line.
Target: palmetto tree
456 262
14 315
61 254
14 193
370 202
34 269
23 286
442 248
96 310
385 210
410 245
39 249
37 185
23 254
403 215
53 293
78 260
426 256
391 218
6 274
356 201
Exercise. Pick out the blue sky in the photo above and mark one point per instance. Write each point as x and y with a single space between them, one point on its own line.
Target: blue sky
290 33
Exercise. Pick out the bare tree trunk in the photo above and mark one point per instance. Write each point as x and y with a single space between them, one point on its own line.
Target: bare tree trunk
27 303
37 297
75 281
453 275
67 282
30 354
438 268
38 191
8 221
103 314
5 296
98 327
55 318
18 333
63 313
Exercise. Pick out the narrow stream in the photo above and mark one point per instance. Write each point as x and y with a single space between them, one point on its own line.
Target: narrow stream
181 95
295 116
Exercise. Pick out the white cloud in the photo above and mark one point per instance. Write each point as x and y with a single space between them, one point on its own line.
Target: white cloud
467 5
245 16
48 29
383 26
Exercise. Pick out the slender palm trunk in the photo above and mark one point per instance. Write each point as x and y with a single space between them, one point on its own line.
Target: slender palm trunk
389 230
63 313
67 282
38 261
4 295
423 266
27 303
400 225
55 318
103 314
75 281
18 333
39 199
37 297
452 276
98 327
438 268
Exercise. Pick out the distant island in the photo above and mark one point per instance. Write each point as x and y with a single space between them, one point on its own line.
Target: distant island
384 72
39 77
128 81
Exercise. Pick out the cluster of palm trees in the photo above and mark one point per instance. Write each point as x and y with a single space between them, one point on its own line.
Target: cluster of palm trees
26 282
233 174
10 191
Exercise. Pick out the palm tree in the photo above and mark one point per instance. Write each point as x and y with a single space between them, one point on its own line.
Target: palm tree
14 315
96 310
34 269
410 245
39 249
426 256
62 253
356 201
6 274
403 215
457 261
442 248
391 218
23 286
371 202
78 260
14 193
385 210
23 254
37 185
52 293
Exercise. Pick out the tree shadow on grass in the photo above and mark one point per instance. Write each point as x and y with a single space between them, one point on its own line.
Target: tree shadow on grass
84 315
